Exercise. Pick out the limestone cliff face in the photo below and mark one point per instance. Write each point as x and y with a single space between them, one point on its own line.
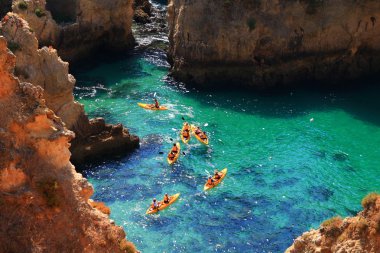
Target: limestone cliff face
43 201
272 43
43 67
355 234
78 28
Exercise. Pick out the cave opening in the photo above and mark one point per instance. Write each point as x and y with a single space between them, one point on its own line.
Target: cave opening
63 11
5 7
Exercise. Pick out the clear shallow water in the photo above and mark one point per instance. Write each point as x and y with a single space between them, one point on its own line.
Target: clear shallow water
286 173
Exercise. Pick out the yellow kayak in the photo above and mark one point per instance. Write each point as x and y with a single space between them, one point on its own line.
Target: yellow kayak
152 107
205 141
162 205
171 161
208 187
185 126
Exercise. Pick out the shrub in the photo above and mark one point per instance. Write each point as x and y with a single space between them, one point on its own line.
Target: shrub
39 13
48 189
251 22
334 221
332 226
13 46
369 200
22 5
127 246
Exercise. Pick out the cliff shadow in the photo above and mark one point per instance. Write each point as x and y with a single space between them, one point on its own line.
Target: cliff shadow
360 99
5 7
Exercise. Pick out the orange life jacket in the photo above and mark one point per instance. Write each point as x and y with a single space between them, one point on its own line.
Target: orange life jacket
209 181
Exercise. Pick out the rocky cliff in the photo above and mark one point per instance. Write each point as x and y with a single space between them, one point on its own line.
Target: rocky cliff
273 43
78 28
43 201
43 67
355 234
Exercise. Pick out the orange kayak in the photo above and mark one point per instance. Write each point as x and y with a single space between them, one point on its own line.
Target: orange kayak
162 205
204 141
185 127
171 161
152 107
216 182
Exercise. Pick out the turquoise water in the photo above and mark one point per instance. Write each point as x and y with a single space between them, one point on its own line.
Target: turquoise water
294 159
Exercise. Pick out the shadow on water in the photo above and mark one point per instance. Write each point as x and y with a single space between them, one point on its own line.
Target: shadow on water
360 99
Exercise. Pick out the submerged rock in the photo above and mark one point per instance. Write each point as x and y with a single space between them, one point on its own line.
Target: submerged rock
43 201
43 67
266 44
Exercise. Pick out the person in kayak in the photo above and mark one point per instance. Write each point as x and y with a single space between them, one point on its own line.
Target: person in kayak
217 175
198 131
175 149
156 104
166 198
185 133
155 204
171 155
203 136
210 181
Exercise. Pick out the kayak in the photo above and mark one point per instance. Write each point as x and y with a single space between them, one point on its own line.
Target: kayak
185 140
176 156
193 128
208 187
162 206
152 107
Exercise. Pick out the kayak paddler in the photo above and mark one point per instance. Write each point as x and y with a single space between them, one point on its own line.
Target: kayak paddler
210 181
156 104
155 204
175 148
171 155
166 198
217 175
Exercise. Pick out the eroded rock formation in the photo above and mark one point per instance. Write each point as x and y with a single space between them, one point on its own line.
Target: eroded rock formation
354 234
78 28
273 43
43 67
43 201
142 11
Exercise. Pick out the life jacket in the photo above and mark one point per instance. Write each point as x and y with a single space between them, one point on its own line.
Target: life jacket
209 181
166 199
175 149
